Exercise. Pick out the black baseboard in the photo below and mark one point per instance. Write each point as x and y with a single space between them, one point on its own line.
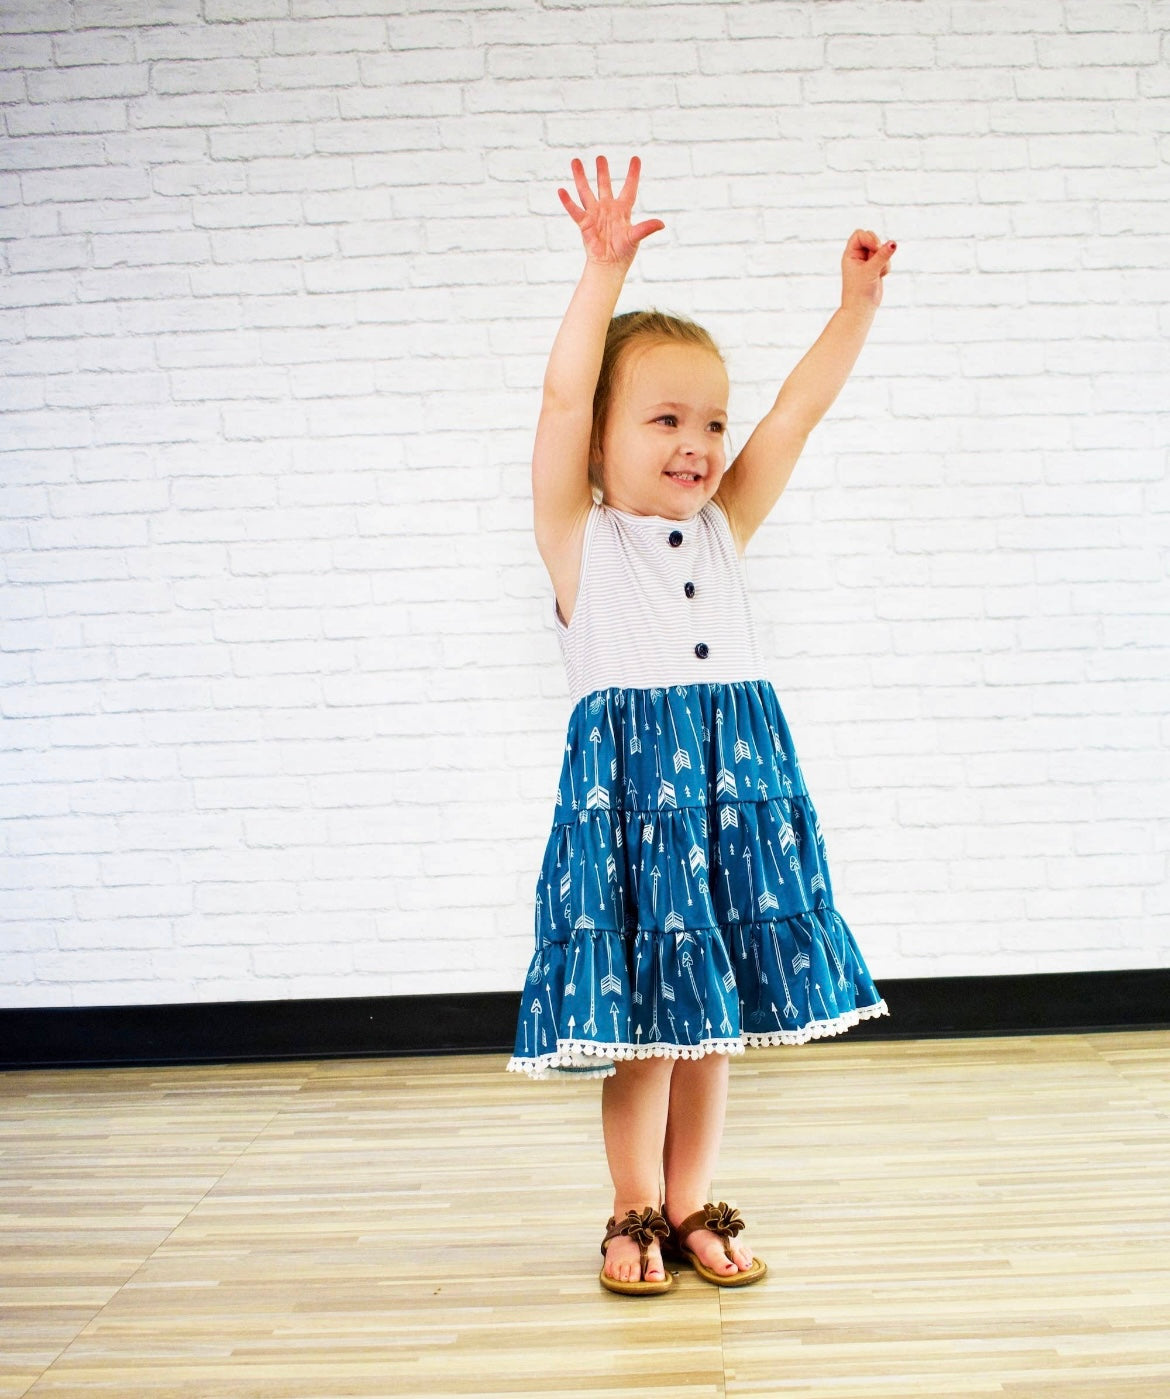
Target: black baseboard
377 1026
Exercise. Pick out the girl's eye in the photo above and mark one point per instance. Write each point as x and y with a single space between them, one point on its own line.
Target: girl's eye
667 420
718 427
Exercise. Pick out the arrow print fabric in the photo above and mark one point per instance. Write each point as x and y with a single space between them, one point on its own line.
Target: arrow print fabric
684 903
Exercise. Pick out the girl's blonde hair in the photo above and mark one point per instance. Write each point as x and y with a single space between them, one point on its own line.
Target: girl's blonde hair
635 327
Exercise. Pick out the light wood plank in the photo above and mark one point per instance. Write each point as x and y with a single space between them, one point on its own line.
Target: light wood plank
97 1170
941 1218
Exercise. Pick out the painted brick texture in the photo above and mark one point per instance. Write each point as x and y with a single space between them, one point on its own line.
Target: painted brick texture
281 709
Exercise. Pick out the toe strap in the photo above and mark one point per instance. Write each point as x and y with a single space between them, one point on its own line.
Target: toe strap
642 1227
720 1219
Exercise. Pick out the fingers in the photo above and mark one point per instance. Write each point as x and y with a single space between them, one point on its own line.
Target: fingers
584 193
604 188
865 246
645 229
575 213
879 258
863 243
630 188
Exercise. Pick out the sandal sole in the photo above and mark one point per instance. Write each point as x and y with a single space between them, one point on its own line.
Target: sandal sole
636 1289
758 1269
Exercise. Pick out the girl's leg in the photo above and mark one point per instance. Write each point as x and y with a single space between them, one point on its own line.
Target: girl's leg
634 1105
694 1130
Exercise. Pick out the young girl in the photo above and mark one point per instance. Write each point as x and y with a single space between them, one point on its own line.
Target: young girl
684 909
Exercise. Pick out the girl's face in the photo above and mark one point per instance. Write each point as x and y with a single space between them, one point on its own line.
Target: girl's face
663 450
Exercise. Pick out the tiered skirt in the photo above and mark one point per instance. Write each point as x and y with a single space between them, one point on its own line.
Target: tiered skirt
684 905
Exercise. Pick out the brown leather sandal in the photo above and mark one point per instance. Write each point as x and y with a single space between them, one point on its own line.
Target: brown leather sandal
643 1228
720 1219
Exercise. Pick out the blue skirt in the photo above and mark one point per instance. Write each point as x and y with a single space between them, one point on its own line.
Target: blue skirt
684 905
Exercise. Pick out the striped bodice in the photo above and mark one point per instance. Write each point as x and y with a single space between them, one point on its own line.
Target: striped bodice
660 602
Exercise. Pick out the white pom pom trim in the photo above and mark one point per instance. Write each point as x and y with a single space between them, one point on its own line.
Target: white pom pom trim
584 1058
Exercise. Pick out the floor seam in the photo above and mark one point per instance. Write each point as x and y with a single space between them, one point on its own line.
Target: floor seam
235 1161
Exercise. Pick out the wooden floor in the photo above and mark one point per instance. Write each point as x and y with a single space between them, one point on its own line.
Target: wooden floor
945 1218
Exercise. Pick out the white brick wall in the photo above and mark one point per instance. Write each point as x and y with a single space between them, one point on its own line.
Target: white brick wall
281 704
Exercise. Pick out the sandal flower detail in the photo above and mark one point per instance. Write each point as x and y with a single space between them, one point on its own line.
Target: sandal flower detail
722 1219
644 1229
726 1223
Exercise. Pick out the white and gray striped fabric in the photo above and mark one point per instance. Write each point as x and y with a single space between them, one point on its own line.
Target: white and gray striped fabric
660 602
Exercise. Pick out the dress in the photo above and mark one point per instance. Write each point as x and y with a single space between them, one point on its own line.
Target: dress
684 905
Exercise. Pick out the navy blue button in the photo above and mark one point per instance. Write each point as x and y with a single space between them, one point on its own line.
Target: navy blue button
702 650
674 538
689 589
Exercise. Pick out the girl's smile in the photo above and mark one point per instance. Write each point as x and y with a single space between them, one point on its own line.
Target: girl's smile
663 448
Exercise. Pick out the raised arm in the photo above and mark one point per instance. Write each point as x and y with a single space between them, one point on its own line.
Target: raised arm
561 493
762 469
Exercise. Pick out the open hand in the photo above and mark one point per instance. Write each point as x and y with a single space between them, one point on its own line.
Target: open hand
604 220
864 263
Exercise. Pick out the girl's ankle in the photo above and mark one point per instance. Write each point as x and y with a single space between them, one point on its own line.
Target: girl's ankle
621 1209
676 1213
